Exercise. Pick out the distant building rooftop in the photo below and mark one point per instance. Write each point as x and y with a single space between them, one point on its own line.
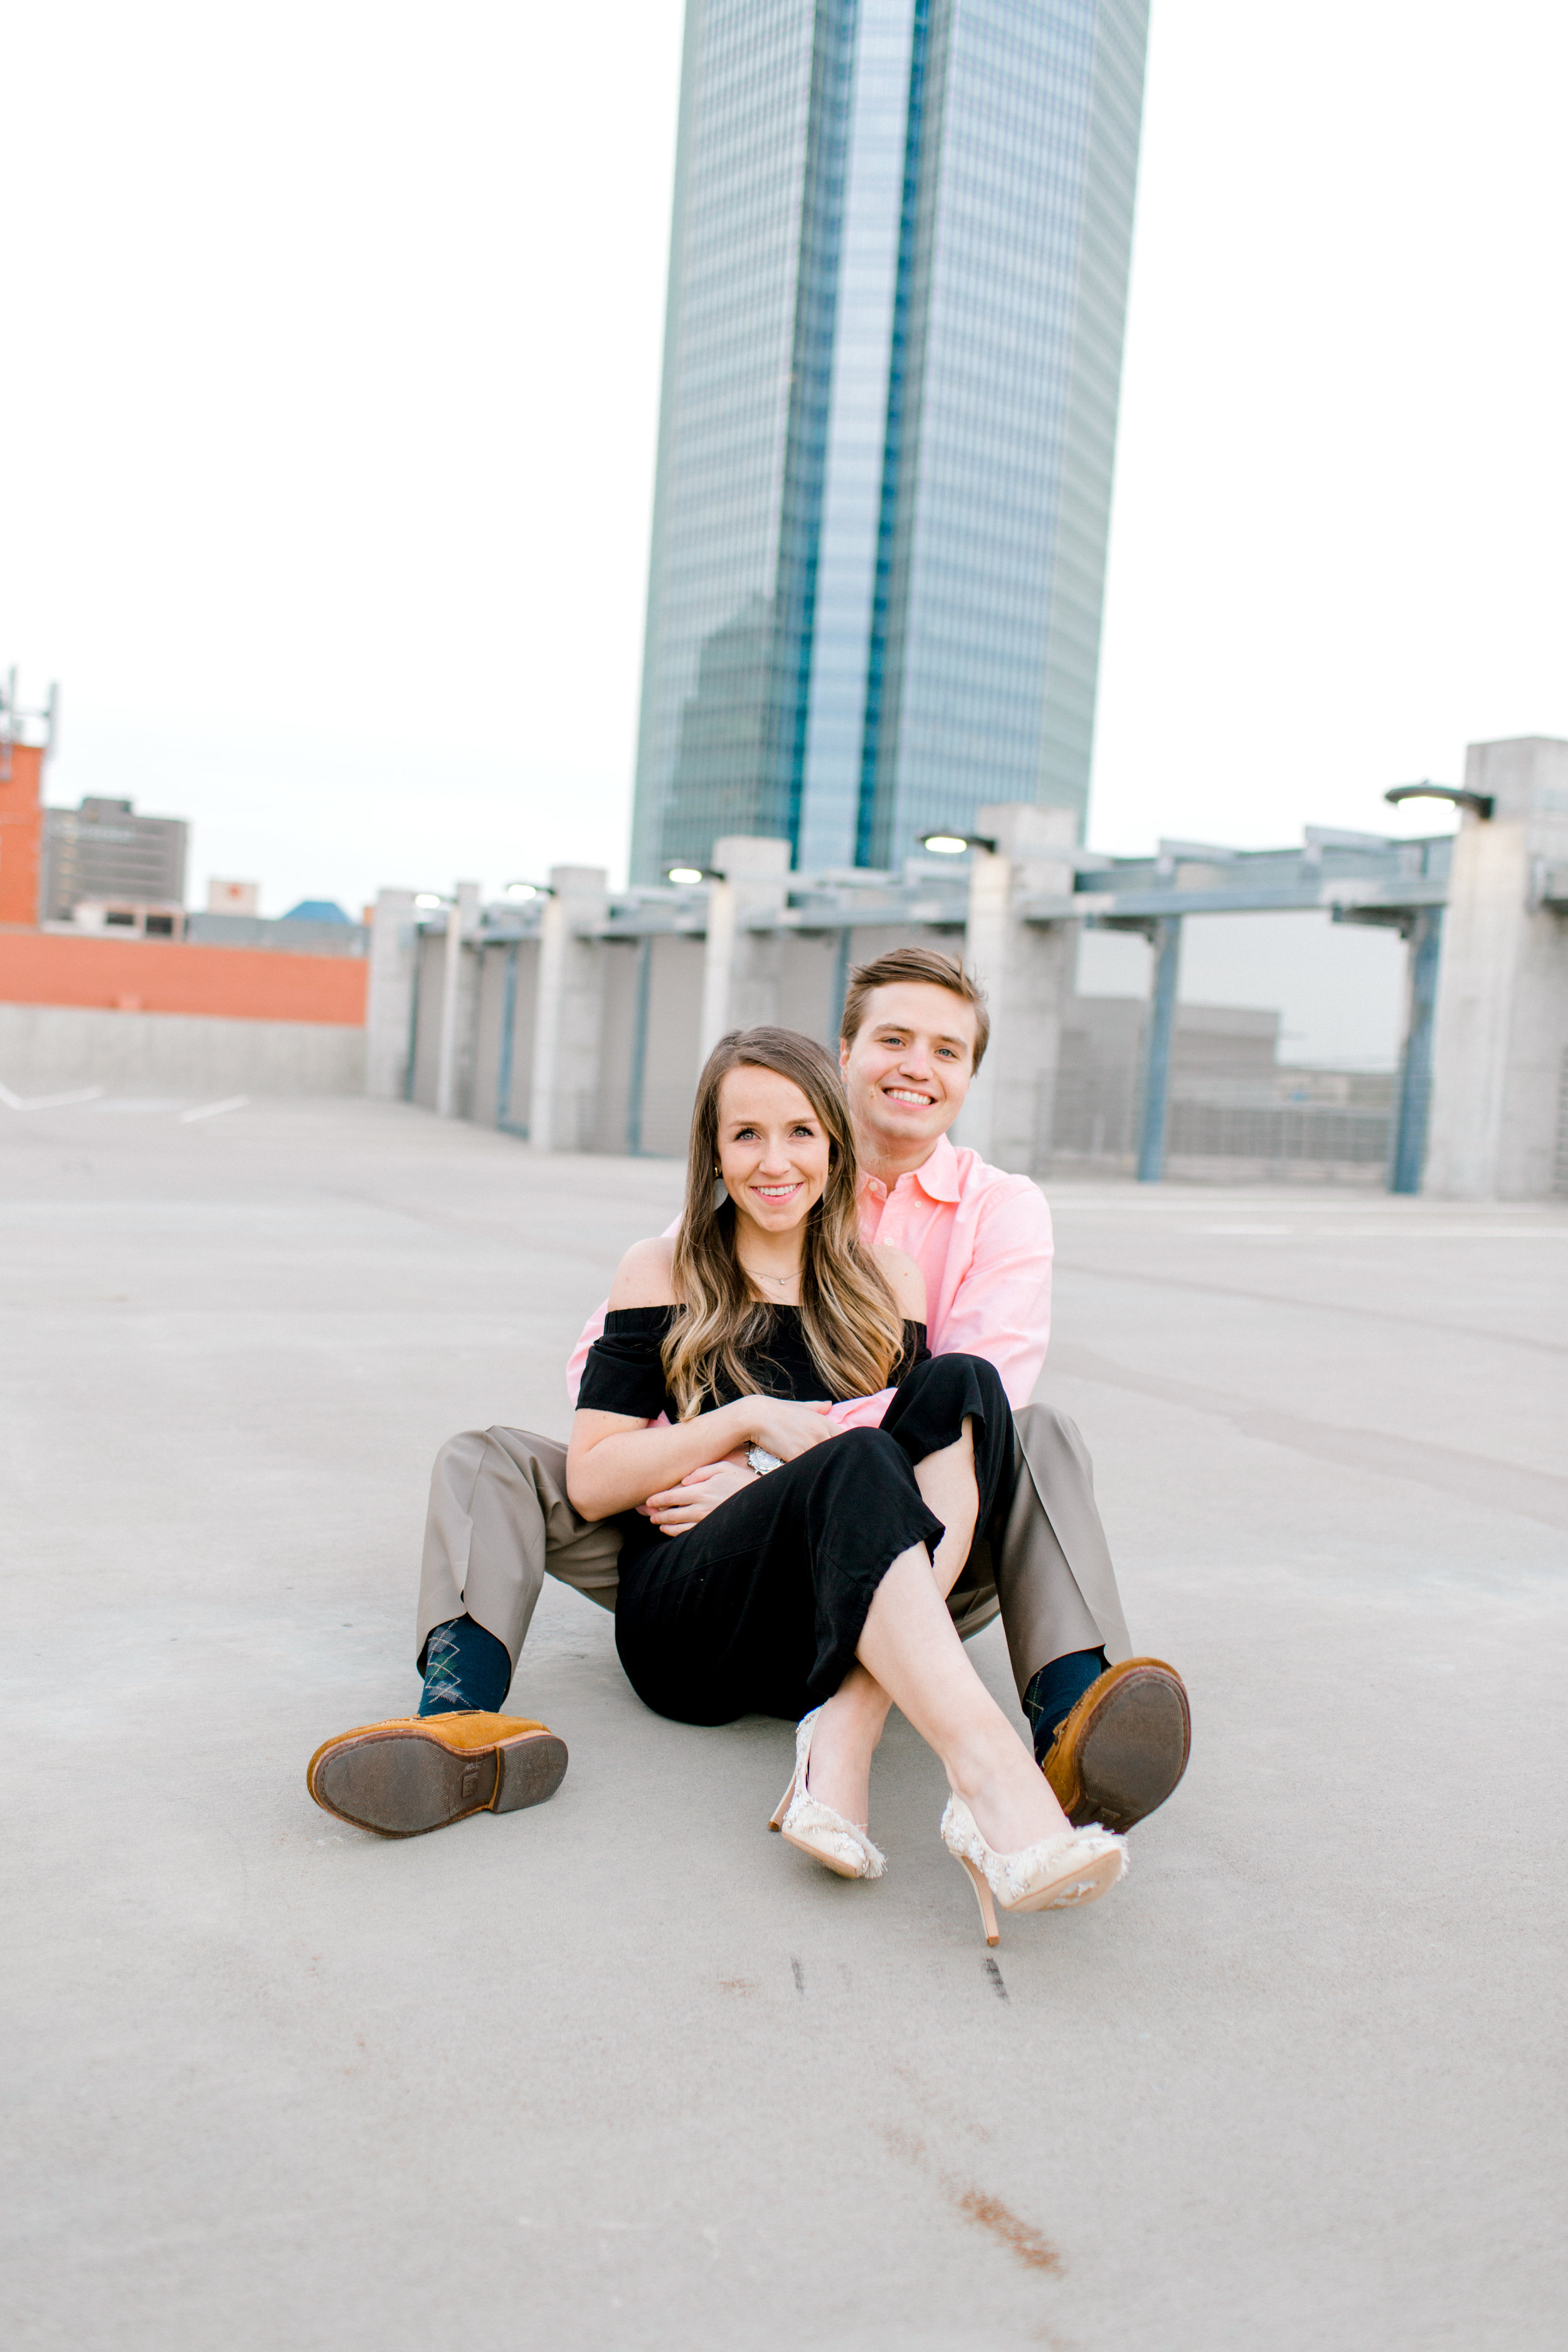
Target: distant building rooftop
317 910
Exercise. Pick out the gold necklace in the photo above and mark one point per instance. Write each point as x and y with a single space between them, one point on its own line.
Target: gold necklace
784 1279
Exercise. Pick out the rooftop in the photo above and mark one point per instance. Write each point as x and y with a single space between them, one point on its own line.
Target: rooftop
626 2072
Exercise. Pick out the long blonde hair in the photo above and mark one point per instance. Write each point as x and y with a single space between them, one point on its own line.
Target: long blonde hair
849 1318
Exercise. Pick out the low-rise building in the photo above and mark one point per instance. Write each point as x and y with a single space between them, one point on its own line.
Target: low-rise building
103 853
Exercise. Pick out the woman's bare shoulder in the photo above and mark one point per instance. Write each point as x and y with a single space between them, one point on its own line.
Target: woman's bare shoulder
908 1283
643 1275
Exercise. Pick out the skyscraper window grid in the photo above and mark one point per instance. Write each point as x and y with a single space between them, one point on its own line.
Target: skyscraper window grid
848 644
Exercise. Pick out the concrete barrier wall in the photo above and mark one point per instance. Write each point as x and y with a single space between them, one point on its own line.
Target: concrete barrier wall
46 1047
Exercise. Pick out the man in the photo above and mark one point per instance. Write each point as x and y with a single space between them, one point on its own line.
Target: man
1111 1731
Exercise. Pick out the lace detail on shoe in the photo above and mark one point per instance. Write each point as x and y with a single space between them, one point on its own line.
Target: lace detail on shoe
1012 1877
809 1822
820 1827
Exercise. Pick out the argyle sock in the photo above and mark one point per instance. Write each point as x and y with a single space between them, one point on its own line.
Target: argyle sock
1056 1690
464 1669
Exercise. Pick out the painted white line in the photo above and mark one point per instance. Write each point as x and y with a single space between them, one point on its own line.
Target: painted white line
211 1110
49 1102
1450 1233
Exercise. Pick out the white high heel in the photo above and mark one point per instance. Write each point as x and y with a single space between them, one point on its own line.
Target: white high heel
1056 1874
815 1828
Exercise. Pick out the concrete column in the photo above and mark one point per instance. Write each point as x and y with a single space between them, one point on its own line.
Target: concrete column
569 1011
389 995
1500 1027
455 1047
1026 971
741 967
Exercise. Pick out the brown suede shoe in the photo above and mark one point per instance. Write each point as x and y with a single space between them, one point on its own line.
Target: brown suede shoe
1124 1747
419 1772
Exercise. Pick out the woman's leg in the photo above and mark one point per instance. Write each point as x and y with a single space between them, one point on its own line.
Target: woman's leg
854 1718
909 1647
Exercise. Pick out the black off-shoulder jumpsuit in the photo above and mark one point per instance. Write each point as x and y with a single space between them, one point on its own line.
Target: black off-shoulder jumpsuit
757 1609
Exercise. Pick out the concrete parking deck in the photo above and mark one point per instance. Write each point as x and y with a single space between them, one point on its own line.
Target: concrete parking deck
625 2072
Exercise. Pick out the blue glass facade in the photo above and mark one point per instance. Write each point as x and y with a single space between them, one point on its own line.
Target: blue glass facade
893 355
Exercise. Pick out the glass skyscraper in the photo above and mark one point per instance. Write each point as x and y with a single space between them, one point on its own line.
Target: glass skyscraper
893 355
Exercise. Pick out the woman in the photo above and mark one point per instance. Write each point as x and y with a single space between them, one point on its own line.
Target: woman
817 1590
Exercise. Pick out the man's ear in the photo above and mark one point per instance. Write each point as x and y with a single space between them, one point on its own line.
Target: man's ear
843 1057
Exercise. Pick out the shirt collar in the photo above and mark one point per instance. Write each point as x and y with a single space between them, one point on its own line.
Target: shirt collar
938 1176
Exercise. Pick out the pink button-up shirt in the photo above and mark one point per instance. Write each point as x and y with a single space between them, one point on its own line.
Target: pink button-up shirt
983 1241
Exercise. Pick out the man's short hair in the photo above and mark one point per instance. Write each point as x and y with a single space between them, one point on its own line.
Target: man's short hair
926 966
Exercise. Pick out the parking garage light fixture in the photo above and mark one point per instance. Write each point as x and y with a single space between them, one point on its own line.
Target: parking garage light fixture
688 876
1479 803
953 845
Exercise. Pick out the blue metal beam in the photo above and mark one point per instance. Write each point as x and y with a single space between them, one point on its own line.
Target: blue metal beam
504 1119
1159 1028
636 1078
1415 1066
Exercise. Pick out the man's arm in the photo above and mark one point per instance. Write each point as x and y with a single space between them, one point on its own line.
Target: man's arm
592 1329
1002 1307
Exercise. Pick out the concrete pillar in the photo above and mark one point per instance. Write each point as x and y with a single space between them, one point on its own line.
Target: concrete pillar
389 995
741 967
454 1053
1026 971
1500 1051
569 1011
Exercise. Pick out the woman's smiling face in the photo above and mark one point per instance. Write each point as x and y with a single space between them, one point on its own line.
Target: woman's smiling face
773 1152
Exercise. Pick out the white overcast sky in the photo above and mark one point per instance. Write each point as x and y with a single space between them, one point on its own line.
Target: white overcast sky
330 393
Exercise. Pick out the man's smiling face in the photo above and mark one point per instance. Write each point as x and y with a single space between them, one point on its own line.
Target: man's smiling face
907 1070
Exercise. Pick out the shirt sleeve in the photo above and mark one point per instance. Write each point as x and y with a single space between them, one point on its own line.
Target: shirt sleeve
579 1355
625 1367
1002 1309
869 1412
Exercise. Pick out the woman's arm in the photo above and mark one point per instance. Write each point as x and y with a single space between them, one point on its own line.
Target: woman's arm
614 1462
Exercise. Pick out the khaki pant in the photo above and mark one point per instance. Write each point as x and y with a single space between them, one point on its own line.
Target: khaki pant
500 1522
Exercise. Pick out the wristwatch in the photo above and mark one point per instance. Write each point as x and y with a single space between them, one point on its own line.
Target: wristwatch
759 1459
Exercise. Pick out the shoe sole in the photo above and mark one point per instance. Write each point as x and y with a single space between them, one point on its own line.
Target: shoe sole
403 1783
1131 1753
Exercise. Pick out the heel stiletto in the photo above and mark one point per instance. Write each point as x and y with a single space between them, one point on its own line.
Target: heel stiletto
817 1829
1056 1874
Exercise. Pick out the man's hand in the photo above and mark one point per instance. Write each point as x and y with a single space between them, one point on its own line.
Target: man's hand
700 1491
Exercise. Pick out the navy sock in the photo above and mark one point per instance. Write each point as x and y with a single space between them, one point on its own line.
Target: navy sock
1056 1690
464 1669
